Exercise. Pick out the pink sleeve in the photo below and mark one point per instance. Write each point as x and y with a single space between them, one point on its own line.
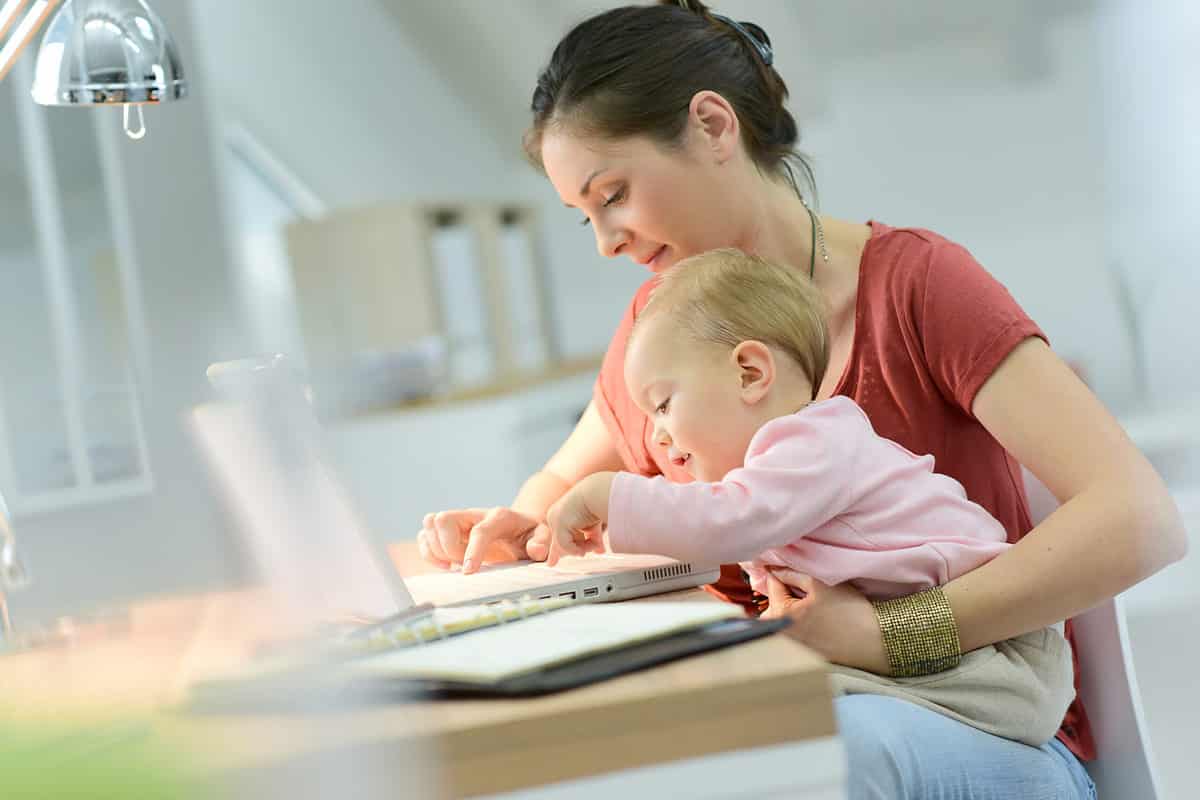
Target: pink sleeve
795 479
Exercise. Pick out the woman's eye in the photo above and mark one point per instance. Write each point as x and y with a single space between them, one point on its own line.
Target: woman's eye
616 197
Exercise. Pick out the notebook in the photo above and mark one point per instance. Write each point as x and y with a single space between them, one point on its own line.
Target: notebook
557 648
540 641
264 447
595 577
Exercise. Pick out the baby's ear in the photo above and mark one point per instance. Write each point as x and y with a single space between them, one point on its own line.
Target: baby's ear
756 369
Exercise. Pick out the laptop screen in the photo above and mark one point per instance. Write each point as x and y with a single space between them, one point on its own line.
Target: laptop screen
264 447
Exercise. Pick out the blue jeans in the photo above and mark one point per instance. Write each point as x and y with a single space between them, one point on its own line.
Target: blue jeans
897 750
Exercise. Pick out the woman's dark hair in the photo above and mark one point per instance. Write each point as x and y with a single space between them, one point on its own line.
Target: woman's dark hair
634 70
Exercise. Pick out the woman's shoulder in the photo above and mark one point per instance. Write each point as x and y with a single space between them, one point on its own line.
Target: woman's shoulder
904 261
902 248
642 296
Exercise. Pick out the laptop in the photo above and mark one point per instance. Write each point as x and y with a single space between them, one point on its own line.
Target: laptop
262 443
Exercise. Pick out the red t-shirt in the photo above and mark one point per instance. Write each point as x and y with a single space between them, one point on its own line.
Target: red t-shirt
931 325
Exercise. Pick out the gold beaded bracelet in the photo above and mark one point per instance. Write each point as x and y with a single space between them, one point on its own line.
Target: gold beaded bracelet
919 633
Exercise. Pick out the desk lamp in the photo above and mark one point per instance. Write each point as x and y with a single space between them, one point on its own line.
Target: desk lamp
94 53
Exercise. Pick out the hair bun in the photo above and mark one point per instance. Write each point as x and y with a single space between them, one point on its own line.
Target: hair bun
694 6
757 33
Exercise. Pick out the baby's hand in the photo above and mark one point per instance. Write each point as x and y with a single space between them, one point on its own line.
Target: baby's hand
574 528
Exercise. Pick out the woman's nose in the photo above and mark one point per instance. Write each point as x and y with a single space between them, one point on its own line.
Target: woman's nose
611 240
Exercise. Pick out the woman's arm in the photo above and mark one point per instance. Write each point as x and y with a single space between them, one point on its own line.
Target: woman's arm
1117 523
588 449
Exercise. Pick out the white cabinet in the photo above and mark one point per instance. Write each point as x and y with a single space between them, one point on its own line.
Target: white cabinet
400 465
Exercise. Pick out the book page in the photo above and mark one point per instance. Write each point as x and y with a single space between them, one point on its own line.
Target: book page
515 648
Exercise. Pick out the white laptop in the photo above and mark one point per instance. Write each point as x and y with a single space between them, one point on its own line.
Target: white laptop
263 444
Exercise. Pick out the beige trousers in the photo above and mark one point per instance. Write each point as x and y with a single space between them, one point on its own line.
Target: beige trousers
1018 689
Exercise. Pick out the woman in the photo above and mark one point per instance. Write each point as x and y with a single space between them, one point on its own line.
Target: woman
665 125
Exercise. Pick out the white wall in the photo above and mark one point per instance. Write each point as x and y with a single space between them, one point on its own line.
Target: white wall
954 138
373 119
1150 67
340 97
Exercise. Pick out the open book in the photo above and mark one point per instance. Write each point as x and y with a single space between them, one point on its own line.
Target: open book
576 644
542 641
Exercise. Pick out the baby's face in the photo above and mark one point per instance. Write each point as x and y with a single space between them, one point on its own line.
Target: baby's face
691 393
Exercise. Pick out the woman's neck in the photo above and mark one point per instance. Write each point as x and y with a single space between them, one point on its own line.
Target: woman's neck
783 233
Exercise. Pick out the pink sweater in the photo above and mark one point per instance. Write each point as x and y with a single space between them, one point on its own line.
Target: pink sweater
820 493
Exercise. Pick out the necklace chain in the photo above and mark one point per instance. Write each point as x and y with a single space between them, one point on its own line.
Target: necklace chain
820 237
818 241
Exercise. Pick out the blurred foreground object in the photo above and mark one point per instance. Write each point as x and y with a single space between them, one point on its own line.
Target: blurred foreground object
13 574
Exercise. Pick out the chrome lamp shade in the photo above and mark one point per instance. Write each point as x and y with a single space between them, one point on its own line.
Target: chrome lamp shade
107 52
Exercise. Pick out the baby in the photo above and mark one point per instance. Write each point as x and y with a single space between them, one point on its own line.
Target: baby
725 361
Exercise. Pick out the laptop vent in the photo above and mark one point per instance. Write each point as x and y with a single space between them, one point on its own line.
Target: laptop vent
670 571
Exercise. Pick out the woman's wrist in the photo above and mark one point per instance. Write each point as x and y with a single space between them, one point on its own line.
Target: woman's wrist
919 633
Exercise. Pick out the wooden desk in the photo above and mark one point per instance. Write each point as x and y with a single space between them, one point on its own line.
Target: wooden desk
736 701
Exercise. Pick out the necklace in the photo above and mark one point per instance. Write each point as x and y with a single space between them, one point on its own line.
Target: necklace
818 240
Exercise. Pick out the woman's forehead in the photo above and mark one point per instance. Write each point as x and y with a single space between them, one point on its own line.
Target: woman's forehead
569 159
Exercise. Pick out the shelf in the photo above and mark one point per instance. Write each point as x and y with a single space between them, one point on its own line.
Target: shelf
500 387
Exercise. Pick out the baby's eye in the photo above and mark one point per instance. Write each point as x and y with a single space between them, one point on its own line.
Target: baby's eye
662 407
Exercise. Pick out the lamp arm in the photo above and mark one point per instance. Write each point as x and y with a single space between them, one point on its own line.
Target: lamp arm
24 31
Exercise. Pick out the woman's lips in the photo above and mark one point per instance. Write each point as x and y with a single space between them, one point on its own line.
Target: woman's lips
654 258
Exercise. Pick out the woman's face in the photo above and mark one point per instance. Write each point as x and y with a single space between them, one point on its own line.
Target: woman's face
644 201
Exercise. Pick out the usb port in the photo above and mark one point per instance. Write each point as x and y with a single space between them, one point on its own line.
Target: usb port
592 592
545 597
567 595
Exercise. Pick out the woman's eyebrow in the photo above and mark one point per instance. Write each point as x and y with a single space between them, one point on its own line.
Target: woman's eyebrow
587 184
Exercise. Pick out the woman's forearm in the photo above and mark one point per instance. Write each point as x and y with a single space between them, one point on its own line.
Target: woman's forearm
538 493
1099 543
588 449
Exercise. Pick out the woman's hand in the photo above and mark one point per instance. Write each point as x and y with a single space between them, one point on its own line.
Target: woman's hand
836 621
471 536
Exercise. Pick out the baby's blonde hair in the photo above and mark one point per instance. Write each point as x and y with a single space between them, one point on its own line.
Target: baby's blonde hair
728 297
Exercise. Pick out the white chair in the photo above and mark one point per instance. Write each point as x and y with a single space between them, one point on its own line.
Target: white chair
1124 768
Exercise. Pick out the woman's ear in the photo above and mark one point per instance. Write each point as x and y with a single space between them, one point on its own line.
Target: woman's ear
717 123
756 370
